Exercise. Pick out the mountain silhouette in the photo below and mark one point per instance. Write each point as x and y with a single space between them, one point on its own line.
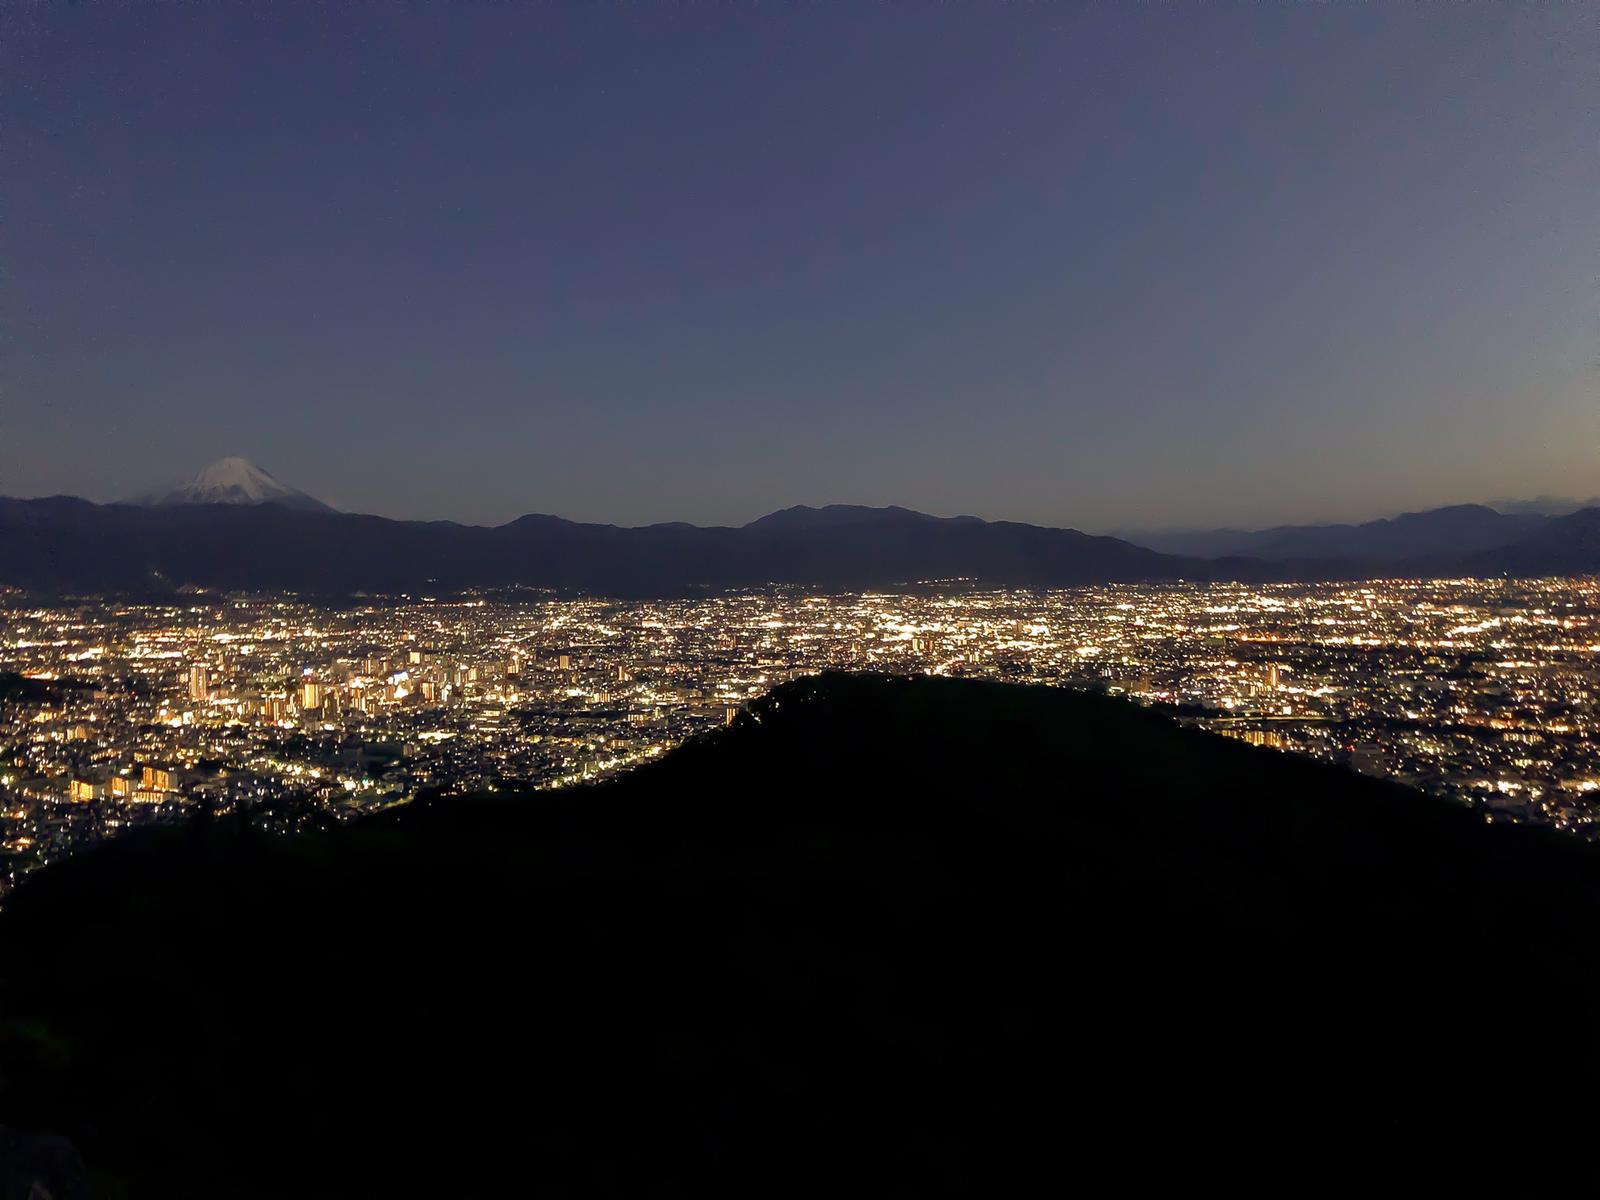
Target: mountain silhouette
1458 529
64 543
902 936
835 516
231 481
1568 545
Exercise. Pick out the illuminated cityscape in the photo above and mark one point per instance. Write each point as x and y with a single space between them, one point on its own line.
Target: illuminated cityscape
134 713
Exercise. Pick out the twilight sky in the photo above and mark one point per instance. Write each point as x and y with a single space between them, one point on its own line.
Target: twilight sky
1109 266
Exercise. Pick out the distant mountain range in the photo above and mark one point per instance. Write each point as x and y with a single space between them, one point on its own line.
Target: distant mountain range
62 543
236 527
1455 530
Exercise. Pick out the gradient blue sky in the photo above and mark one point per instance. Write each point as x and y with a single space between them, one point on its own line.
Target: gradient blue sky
1106 266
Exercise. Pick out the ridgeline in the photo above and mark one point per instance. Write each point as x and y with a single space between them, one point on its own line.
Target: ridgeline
901 936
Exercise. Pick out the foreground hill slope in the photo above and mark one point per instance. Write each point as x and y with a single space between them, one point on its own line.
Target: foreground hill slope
917 936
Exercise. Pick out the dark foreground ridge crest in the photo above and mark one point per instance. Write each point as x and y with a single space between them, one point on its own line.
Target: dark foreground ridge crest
924 936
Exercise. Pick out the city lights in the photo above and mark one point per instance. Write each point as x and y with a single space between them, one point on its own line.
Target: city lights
1485 691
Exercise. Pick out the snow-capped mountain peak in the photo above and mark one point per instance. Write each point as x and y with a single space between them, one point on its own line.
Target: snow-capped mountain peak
231 481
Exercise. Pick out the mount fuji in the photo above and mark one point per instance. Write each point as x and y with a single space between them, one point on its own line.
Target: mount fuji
231 481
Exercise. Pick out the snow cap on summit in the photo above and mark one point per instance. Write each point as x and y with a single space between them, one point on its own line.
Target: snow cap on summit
231 481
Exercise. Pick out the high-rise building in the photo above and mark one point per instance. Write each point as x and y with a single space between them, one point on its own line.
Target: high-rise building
199 683
310 695
158 779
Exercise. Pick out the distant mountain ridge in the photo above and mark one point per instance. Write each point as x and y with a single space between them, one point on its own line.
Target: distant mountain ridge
835 516
64 543
68 544
1568 545
1453 530
231 481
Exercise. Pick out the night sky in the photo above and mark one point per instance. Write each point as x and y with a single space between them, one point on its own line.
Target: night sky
1110 267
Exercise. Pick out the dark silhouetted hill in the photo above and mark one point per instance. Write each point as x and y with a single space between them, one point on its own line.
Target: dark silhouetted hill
891 937
22 689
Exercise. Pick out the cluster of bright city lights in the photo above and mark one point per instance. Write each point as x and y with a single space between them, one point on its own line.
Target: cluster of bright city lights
117 714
